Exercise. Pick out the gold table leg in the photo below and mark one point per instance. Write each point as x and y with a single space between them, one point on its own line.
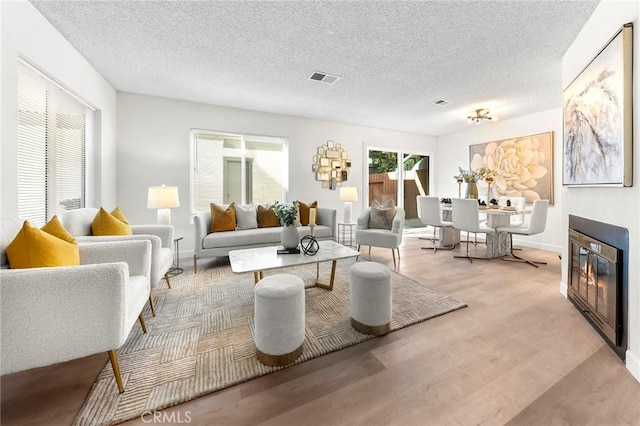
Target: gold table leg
333 275
258 275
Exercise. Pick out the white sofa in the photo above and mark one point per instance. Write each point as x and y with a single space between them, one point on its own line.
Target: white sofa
52 315
78 223
211 244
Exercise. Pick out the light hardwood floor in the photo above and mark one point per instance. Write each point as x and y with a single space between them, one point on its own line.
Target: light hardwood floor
519 354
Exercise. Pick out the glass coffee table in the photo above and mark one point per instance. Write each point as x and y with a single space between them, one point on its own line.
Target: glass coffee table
260 259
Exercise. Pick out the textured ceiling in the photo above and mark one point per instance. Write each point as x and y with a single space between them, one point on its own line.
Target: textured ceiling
394 58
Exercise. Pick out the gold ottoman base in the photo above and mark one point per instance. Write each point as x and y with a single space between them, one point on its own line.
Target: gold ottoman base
375 330
279 360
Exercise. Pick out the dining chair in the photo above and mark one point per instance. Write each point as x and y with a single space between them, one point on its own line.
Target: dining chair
430 214
537 224
466 217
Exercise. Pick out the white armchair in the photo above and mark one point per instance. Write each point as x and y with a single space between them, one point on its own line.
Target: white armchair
78 223
52 315
387 238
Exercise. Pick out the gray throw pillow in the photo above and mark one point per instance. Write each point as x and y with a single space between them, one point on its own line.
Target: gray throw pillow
246 216
381 215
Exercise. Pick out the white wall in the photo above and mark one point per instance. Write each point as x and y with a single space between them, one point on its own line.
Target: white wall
154 149
26 33
618 206
454 152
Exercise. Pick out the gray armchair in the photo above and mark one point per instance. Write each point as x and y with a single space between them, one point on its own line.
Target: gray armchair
386 238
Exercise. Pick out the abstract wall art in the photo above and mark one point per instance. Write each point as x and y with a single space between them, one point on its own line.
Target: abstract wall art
597 118
520 167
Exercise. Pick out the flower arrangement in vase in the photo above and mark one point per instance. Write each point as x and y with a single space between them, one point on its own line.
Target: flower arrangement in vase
471 177
288 213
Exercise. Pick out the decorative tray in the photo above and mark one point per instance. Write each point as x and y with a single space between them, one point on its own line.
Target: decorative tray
509 208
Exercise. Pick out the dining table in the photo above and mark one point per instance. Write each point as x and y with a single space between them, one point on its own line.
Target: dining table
498 243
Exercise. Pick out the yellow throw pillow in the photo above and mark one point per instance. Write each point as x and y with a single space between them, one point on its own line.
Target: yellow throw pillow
37 248
267 217
55 228
106 224
303 209
117 213
223 219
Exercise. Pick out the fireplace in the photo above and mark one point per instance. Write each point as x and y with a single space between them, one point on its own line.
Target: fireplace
597 282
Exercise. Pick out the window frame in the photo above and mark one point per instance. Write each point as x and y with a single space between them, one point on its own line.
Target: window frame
193 134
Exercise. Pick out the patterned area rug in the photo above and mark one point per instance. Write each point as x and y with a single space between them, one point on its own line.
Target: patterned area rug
201 339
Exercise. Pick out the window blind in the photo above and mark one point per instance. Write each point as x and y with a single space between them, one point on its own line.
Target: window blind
51 148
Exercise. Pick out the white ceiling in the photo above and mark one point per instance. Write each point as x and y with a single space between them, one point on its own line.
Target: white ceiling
394 59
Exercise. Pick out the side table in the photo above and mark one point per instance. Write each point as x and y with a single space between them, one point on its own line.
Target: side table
175 268
346 234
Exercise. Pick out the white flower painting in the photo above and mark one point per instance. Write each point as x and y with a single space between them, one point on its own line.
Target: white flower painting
595 140
521 167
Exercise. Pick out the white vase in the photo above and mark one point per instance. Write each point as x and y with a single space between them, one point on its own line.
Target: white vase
290 237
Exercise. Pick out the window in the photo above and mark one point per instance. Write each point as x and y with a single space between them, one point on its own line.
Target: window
237 168
52 134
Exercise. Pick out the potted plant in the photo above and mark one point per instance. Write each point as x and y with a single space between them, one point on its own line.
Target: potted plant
287 214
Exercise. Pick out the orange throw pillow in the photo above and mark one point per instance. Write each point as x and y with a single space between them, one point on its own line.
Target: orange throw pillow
267 217
223 219
303 209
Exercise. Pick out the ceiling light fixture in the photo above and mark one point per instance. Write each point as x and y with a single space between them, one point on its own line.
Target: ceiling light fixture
481 114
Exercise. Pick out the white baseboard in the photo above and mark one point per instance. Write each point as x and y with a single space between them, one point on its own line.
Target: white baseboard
186 255
537 245
563 288
633 364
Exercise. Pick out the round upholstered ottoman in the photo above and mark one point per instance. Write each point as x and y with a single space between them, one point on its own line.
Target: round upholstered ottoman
279 319
370 297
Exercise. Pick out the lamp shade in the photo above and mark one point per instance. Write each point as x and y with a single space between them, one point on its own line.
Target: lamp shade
348 193
163 197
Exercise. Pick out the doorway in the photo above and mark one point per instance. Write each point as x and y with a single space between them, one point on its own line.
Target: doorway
399 176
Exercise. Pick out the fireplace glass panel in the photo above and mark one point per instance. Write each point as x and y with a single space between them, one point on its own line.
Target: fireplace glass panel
603 286
590 275
582 281
574 265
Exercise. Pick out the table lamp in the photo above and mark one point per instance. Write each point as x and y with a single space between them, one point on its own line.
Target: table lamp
163 198
348 194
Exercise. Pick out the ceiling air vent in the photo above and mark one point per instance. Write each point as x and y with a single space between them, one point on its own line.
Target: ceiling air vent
324 77
441 102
